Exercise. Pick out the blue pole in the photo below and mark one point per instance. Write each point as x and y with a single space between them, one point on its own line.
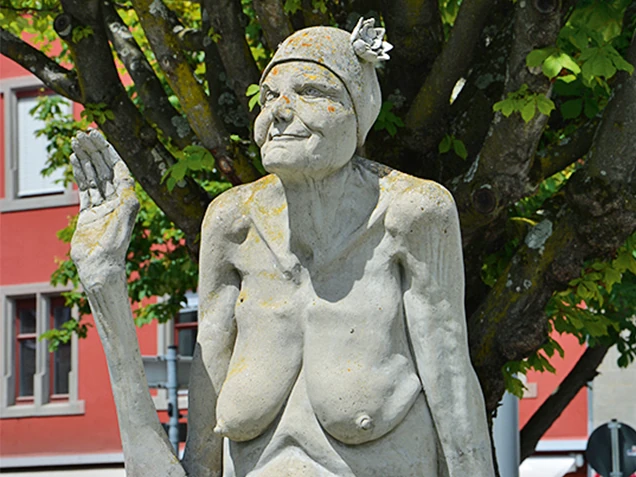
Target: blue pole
173 399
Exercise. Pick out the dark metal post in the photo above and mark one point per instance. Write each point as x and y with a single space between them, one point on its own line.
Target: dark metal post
614 426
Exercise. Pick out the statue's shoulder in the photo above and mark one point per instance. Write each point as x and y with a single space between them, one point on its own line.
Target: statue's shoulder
414 201
228 213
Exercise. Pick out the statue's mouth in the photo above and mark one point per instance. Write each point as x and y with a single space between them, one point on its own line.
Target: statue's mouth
288 136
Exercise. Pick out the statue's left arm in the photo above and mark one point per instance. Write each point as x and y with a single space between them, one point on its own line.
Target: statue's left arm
434 308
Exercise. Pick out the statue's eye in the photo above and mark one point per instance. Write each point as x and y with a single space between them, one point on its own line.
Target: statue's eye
268 95
312 92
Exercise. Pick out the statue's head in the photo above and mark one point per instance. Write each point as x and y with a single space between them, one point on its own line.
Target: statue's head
319 97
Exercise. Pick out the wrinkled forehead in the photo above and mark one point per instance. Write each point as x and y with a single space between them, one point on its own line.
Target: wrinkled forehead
295 72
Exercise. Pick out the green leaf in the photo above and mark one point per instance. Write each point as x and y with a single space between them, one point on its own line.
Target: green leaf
572 108
252 90
598 63
621 64
253 102
551 66
506 106
537 57
460 148
528 111
568 63
445 144
291 6
591 108
567 78
544 105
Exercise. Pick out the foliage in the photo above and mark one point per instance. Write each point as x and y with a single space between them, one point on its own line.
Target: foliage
97 113
192 158
525 102
448 10
387 120
254 93
449 141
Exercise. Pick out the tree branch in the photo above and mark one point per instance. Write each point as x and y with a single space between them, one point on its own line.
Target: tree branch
154 17
158 109
500 173
559 156
54 76
471 112
190 39
432 101
226 18
583 372
415 30
135 140
203 118
597 217
276 26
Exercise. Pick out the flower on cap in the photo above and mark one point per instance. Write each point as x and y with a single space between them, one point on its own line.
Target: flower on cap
367 41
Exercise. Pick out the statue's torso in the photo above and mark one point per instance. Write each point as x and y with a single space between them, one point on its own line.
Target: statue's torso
331 334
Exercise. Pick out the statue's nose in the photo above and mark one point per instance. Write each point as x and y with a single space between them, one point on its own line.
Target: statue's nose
282 109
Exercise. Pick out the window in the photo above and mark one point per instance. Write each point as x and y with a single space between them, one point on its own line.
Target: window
35 381
25 154
186 325
25 344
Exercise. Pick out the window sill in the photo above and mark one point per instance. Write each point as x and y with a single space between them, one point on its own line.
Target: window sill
40 202
68 408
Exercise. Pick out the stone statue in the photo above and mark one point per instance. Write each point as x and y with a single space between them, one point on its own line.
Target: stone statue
332 337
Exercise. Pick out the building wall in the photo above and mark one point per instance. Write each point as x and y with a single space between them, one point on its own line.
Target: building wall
614 392
573 423
29 249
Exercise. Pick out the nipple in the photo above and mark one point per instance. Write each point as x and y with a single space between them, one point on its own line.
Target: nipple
364 422
221 428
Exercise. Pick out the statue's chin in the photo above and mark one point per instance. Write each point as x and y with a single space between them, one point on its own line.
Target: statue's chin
286 163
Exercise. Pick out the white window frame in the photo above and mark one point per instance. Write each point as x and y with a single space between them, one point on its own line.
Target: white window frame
165 338
11 88
40 406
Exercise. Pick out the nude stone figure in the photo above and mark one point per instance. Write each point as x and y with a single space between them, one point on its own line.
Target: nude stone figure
332 337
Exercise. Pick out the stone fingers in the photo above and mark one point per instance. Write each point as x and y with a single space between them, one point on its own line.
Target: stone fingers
91 178
107 159
99 151
82 182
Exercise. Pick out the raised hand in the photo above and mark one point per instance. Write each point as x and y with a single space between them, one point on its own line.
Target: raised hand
108 208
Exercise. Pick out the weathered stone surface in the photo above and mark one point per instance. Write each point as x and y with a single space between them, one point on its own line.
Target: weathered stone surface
332 337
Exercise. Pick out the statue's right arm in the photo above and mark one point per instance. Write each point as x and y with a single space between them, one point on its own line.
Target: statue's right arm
219 286
108 208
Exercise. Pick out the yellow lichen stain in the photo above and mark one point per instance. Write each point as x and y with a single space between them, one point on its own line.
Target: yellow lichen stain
268 275
272 303
237 368
274 71
278 210
331 109
256 187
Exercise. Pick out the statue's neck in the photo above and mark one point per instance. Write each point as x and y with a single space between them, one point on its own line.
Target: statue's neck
324 210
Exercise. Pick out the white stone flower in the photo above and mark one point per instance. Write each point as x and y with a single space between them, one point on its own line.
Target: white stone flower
368 41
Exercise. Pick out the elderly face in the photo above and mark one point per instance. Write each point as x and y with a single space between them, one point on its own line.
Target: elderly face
307 123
